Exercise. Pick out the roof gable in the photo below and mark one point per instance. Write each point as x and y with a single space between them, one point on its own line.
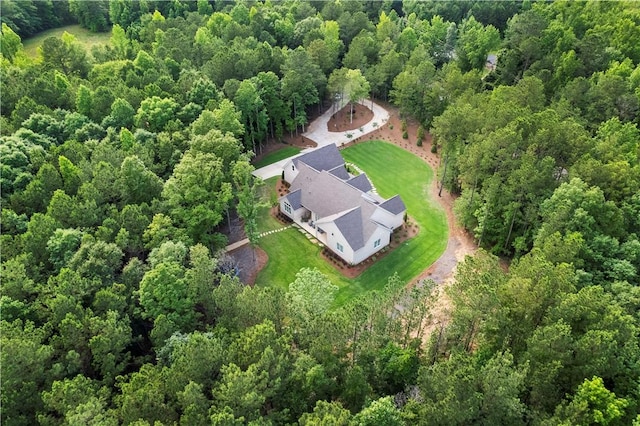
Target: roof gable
294 198
394 205
340 172
361 182
350 225
325 158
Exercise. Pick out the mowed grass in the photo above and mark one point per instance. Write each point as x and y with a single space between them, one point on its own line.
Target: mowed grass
274 157
84 36
392 171
396 171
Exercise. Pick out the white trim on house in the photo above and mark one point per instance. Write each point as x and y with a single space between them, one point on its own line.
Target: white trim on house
355 221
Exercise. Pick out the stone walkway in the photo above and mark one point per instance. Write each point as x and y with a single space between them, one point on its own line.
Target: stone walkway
359 170
238 244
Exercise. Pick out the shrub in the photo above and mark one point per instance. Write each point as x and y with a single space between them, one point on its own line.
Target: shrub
390 126
420 133
419 143
405 135
404 125
434 148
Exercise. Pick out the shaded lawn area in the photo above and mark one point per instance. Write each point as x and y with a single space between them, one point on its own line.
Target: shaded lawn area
82 35
392 170
268 195
276 156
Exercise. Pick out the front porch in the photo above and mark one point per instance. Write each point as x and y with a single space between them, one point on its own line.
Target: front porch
314 231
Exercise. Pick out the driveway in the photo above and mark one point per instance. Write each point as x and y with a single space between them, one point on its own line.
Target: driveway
318 132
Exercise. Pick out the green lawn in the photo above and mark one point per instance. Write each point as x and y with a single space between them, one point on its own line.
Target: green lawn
276 156
83 35
268 195
392 170
396 171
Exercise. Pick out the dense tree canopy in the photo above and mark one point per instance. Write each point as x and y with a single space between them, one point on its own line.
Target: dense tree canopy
120 162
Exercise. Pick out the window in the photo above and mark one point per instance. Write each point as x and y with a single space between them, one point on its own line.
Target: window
376 243
287 207
340 247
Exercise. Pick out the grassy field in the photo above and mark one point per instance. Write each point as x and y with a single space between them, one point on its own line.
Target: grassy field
276 156
83 35
392 170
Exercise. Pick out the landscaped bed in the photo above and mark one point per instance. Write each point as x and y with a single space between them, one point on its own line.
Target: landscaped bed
392 170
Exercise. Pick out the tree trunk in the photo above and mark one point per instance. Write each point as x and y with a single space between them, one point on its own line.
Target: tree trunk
295 116
513 219
473 192
444 175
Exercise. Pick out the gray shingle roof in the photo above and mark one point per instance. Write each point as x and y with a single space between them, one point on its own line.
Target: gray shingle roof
340 172
361 182
325 158
394 205
323 193
350 224
294 199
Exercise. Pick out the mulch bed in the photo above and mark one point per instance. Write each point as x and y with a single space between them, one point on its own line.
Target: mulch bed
399 236
341 120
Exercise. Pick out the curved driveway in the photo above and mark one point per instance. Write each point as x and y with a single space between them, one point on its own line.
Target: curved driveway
319 133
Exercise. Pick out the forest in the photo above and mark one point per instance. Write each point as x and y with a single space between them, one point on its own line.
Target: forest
120 163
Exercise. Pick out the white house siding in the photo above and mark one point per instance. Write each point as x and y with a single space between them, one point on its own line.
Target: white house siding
397 221
387 218
290 171
368 250
334 236
295 215
283 210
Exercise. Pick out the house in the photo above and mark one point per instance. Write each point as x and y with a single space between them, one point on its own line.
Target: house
342 211
492 62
